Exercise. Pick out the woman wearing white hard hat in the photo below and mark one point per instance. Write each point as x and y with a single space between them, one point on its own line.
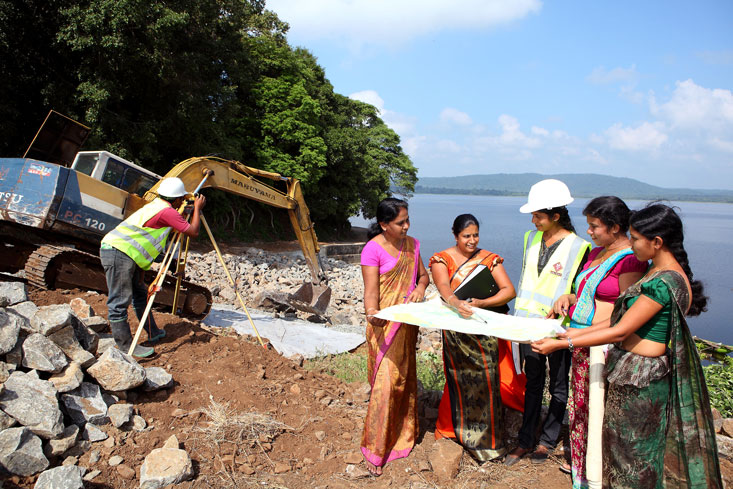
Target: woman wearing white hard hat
553 255
130 248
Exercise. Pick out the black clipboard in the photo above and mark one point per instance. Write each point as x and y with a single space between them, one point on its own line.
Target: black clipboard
480 284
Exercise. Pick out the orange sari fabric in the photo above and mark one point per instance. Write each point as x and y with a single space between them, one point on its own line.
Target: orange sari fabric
390 426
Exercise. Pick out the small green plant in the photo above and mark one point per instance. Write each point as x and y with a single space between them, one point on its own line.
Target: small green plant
430 371
719 379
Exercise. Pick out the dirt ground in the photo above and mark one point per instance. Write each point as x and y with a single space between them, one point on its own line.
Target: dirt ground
251 418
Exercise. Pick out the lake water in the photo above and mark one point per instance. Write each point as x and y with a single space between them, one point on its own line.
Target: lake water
708 232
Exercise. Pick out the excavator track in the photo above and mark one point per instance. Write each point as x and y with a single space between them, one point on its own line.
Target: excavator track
61 267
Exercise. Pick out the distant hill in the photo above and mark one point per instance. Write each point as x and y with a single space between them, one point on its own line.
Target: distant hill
581 185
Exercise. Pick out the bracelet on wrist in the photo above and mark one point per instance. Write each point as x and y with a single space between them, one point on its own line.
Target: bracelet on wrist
570 344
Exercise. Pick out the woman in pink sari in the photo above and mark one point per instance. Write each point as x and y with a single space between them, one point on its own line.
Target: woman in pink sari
393 273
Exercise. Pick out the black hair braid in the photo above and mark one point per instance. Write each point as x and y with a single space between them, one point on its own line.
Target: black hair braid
699 299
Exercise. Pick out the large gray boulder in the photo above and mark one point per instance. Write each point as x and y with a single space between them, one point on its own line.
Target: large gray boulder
85 404
12 293
20 452
33 403
65 339
63 477
49 319
40 353
10 325
164 466
117 371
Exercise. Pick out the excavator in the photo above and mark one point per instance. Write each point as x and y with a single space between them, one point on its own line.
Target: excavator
57 203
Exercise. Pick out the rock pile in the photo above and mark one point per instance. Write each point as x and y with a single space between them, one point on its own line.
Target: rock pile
62 388
256 271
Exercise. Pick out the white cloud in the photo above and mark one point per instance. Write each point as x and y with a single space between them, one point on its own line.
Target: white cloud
448 146
402 124
455 116
722 145
540 131
512 135
601 76
387 21
369 97
696 107
646 136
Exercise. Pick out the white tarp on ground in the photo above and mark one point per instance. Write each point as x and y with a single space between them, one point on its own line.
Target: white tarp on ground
434 314
288 337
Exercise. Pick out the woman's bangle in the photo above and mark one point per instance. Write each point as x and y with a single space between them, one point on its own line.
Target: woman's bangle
570 344
371 309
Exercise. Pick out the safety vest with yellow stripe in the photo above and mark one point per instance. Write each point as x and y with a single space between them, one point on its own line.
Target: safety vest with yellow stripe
538 292
132 238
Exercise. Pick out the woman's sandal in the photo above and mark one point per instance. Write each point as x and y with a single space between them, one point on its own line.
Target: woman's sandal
565 467
373 469
515 456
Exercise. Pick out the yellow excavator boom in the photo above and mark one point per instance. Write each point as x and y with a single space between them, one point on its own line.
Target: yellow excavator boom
234 177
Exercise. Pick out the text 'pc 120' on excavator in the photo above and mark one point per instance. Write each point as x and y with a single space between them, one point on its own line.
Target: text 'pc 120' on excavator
57 203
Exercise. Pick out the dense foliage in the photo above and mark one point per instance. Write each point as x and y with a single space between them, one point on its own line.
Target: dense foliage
160 82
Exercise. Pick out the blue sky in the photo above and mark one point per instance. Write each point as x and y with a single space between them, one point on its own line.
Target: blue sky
639 89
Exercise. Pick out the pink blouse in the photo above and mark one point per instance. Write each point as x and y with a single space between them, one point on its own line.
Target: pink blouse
373 255
608 290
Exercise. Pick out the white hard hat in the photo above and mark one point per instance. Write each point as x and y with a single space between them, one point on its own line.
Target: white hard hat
546 194
171 187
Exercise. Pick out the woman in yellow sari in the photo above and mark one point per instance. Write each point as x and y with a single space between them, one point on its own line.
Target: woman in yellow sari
393 274
471 409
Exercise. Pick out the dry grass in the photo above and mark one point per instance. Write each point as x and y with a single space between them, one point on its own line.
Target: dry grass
231 437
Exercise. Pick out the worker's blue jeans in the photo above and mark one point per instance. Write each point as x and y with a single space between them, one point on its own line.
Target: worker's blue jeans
125 284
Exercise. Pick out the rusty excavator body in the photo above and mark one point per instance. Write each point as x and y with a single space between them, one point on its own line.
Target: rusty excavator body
56 205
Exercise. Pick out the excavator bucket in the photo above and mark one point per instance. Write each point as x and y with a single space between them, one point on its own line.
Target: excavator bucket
311 298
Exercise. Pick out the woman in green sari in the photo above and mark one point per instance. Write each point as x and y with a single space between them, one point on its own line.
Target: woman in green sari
658 429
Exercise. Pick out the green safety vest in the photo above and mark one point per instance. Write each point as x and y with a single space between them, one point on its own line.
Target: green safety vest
538 292
132 238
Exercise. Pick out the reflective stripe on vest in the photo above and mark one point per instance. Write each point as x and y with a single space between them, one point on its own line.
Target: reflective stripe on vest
537 293
132 238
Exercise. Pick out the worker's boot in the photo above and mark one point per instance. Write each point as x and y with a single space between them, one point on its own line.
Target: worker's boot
154 333
123 338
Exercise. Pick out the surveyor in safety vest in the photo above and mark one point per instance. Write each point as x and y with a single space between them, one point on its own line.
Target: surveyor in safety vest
553 255
130 248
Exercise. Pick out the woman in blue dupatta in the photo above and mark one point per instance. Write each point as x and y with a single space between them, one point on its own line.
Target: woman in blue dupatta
610 269
658 427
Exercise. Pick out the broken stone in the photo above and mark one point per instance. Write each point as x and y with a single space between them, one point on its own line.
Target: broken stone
728 427
164 466
80 308
117 371
446 458
119 414
4 372
320 435
172 442
26 309
6 421
33 403
57 446
96 323
87 337
85 404
126 472
157 378
40 353
49 319
355 472
115 460
68 379
15 356
295 389
91 475
12 293
70 460
66 340
92 433
94 457
64 477
20 452
10 326
281 468
137 423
